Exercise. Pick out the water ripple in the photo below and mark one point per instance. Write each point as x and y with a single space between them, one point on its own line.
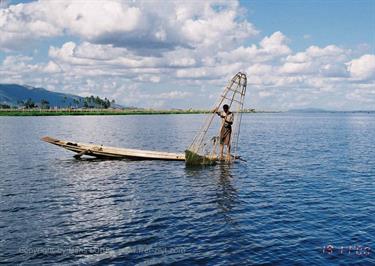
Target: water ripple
307 183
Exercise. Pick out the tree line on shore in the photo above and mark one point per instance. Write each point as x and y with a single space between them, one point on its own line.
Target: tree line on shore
85 102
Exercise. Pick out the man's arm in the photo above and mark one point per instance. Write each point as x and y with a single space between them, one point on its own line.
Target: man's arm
217 112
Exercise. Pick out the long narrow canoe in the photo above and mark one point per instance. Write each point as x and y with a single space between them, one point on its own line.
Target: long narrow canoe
112 152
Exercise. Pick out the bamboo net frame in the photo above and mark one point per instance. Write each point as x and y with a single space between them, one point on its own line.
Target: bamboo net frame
203 148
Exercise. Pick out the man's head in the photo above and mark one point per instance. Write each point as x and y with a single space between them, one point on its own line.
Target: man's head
226 108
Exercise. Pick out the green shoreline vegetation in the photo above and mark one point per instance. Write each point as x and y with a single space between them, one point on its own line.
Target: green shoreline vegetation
67 111
126 111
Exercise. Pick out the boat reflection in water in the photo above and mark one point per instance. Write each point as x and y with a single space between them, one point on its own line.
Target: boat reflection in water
218 183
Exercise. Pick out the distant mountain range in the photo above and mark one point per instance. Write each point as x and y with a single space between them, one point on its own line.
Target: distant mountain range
14 95
308 110
317 110
17 95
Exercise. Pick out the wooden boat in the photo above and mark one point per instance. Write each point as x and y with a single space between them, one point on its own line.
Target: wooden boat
101 151
203 149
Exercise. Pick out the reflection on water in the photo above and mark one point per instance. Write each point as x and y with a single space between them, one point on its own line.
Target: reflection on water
219 177
275 209
226 192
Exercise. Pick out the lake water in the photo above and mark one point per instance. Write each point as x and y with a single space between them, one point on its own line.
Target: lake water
308 183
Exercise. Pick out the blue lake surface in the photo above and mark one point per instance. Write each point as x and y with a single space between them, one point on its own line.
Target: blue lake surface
308 183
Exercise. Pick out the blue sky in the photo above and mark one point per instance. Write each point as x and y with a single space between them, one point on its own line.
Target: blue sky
174 54
347 23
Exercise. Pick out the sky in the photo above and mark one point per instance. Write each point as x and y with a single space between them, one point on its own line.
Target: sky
180 54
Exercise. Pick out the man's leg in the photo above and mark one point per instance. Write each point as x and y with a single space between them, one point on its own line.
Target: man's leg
228 154
221 151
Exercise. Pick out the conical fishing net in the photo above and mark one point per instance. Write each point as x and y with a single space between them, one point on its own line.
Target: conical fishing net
205 148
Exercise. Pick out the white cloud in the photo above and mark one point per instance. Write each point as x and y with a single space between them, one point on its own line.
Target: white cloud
143 26
296 68
151 53
22 23
275 44
173 95
328 61
260 69
52 67
263 94
363 67
82 17
328 51
324 55
270 48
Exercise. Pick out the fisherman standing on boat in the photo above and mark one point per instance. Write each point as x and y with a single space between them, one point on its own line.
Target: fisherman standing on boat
225 131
